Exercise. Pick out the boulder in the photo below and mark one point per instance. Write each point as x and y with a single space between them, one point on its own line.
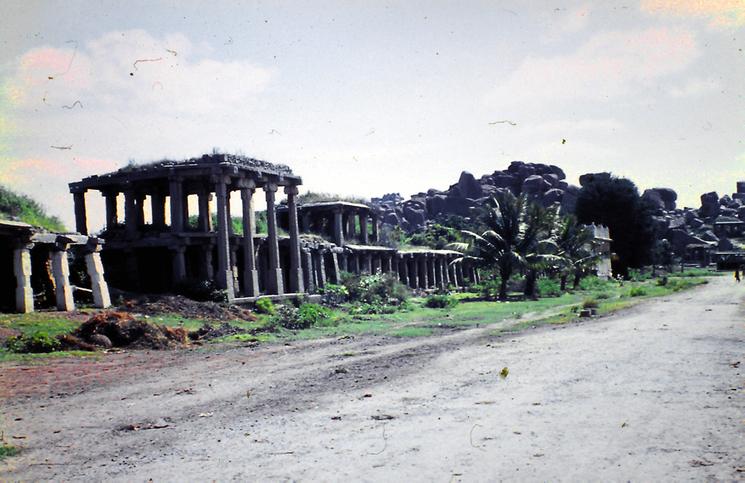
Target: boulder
590 177
468 186
696 223
709 235
725 244
741 187
653 198
552 196
557 171
391 219
709 205
535 184
668 197
741 213
415 216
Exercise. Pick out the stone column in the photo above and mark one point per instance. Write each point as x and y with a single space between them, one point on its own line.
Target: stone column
338 228
250 273
351 226
94 267
178 264
130 212
320 268
204 223
81 217
385 265
61 273
158 207
394 263
404 271
441 277
208 270
308 271
112 217
234 265
459 275
140 210
453 278
22 271
275 272
306 222
413 272
431 270
224 277
356 263
296 271
185 210
343 262
423 272
363 229
335 276
230 215
367 262
176 195
375 228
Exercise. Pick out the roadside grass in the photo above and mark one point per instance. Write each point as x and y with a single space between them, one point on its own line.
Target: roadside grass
414 320
7 450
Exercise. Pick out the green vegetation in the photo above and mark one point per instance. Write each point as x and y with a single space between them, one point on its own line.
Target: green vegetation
265 306
440 301
7 450
316 197
25 209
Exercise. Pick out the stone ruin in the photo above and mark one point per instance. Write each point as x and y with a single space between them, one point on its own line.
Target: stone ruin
38 264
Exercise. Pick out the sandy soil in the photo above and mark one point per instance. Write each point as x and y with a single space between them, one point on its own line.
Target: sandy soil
653 393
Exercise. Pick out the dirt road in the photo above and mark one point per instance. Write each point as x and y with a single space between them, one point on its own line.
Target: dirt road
653 393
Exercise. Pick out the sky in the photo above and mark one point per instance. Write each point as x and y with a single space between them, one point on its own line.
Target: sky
370 97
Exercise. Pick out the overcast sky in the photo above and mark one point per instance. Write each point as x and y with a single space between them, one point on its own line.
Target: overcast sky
371 97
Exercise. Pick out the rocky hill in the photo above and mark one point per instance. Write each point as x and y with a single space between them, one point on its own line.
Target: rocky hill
16 207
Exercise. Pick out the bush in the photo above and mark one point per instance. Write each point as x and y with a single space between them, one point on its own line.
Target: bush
334 295
365 308
637 292
548 287
488 289
595 283
661 282
638 275
383 289
590 303
265 306
440 302
40 342
201 290
313 314
288 317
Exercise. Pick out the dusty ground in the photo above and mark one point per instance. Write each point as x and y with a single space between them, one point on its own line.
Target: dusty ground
654 393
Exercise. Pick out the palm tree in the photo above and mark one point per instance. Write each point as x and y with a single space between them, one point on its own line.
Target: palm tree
576 243
513 227
545 251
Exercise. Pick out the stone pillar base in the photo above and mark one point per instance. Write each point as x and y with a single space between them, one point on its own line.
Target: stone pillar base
296 280
251 283
275 282
225 282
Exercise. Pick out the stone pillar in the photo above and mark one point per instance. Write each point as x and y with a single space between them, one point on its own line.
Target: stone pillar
320 268
61 273
234 265
441 274
185 210
453 279
94 267
459 275
413 272
176 195
394 263
343 262
357 263
338 228
112 217
275 272
140 209
204 223
158 207
308 271
130 212
296 271
335 276
351 226
22 271
404 271
431 270
363 229
208 270
423 272
306 222
178 264
250 273
375 228
367 262
224 277
81 217
385 265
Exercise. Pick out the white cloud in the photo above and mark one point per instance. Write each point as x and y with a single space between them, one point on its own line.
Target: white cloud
695 87
607 66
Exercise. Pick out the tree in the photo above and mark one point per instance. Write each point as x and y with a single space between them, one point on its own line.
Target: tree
512 232
615 202
576 245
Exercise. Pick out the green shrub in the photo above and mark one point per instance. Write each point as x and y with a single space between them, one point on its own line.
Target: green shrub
661 282
440 302
379 288
637 292
590 303
602 296
40 342
288 317
313 314
548 287
334 295
265 306
364 309
638 275
595 283
488 289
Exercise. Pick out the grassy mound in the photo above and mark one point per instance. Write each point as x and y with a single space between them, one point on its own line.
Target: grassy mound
21 207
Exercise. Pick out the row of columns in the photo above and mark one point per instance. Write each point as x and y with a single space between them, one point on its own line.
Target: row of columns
344 225
61 274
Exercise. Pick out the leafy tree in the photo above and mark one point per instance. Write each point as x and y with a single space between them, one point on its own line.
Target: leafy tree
435 236
615 202
576 245
512 234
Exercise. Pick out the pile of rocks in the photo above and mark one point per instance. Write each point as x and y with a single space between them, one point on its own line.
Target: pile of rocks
542 182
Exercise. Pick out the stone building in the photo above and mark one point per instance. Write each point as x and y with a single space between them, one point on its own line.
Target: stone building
177 245
602 247
38 263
